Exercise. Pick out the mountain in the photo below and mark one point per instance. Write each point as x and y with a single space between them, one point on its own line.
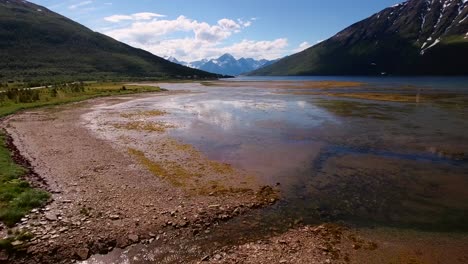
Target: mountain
226 64
36 43
417 37
174 60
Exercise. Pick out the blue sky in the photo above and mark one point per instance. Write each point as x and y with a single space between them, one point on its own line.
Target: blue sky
192 30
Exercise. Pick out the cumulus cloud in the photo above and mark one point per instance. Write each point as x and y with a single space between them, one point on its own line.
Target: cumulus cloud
188 39
148 31
136 16
80 4
303 46
258 49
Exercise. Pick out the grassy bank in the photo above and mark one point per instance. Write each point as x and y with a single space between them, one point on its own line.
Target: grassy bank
18 197
15 99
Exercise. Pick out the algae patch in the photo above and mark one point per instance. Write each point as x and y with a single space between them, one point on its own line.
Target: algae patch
183 166
157 126
150 113
357 109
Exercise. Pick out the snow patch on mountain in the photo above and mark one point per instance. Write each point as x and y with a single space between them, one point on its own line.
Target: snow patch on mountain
226 64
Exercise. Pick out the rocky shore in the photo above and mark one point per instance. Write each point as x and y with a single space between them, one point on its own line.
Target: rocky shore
101 197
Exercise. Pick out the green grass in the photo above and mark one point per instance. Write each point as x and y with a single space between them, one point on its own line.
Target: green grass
40 46
47 96
17 197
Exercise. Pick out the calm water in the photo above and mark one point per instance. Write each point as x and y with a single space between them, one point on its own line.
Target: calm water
435 81
362 161
359 162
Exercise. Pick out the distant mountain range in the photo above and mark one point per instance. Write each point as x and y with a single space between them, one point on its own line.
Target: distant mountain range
417 37
226 64
36 43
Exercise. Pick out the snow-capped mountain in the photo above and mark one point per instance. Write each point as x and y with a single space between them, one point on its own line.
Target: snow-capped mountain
226 64
416 37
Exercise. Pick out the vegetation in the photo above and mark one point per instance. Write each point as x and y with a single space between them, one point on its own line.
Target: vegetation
389 42
17 197
149 113
14 99
38 44
16 235
347 108
159 126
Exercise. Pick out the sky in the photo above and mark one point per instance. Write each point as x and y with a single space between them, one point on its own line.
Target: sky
191 30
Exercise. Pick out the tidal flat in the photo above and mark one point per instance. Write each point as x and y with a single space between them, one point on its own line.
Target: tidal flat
226 171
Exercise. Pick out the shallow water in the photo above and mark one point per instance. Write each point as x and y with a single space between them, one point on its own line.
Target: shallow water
358 162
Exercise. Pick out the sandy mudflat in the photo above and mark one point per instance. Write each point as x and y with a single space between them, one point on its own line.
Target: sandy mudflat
103 196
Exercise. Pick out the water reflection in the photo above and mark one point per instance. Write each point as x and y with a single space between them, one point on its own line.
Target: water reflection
359 162
365 162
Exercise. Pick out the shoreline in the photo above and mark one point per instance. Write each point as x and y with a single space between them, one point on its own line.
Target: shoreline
64 226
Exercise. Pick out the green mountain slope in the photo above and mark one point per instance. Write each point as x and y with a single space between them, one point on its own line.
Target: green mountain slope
36 43
417 37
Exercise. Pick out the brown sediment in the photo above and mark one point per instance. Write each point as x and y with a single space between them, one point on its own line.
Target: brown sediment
359 109
394 97
288 84
192 170
144 114
144 126
104 197
331 243
388 97
327 243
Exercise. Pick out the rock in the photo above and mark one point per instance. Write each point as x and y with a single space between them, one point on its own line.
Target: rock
224 217
205 258
283 261
114 217
217 257
356 246
152 235
51 217
63 229
82 253
3 255
133 238
16 243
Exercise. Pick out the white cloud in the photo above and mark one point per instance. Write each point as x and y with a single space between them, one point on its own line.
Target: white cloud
247 23
257 49
80 4
188 40
149 31
136 16
303 46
